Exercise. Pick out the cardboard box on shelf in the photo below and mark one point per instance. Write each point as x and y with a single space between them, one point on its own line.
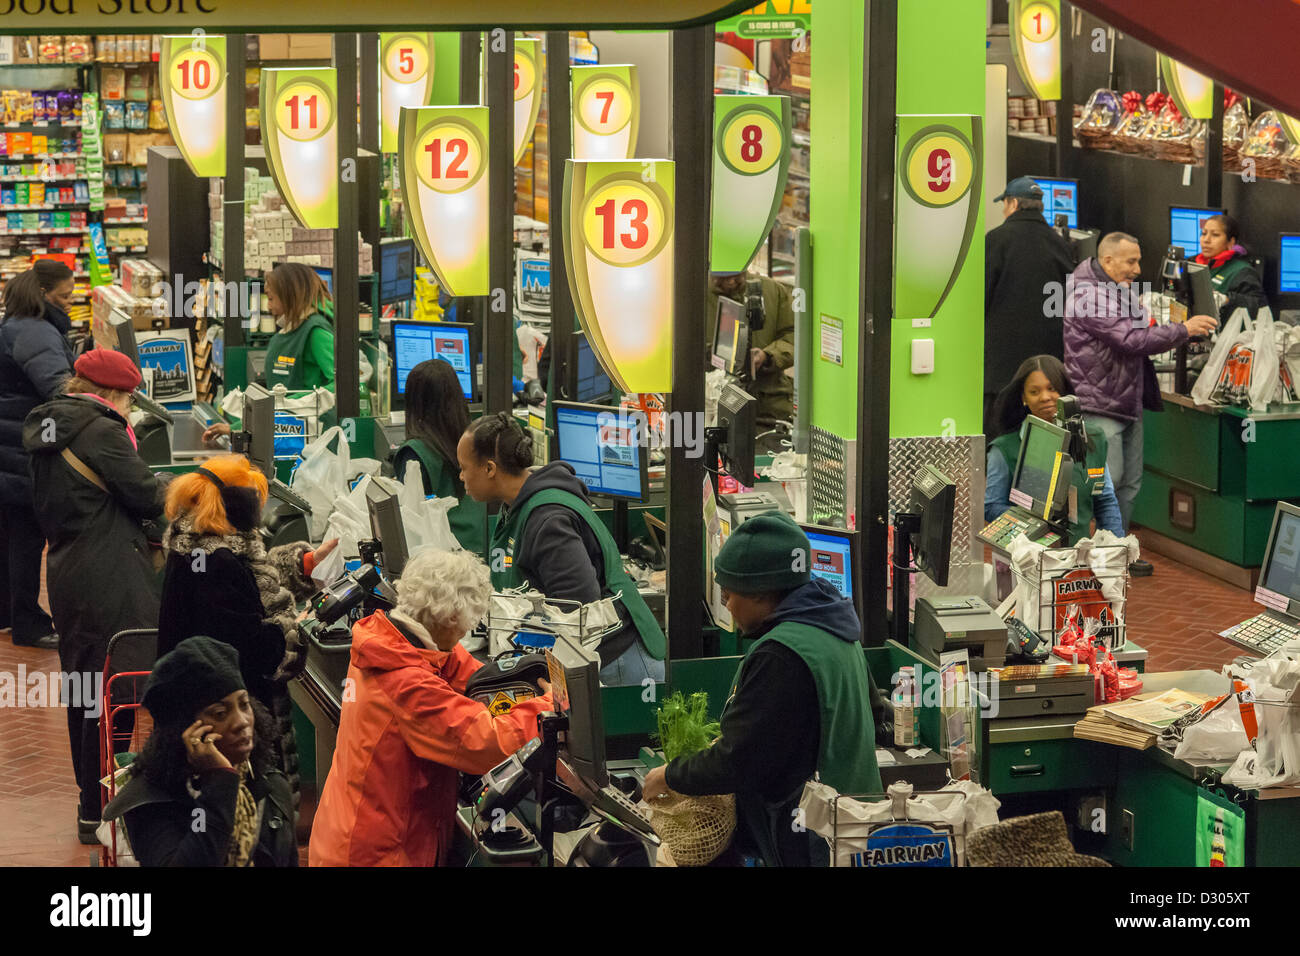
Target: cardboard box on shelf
273 46
310 46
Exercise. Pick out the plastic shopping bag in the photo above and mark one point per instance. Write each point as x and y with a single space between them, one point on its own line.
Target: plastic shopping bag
1226 340
1275 761
1264 373
319 478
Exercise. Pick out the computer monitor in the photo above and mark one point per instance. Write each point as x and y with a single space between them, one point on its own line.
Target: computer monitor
730 337
396 270
1059 196
387 528
591 384
1032 483
416 342
1288 264
1185 227
124 335
258 421
835 557
604 450
325 273
738 416
934 498
1201 289
575 693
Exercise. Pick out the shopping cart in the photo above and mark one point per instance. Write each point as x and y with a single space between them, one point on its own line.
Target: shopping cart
120 734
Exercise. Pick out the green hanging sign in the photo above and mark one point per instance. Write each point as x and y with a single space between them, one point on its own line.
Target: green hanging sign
1036 45
301 133
192 81
405 79
751 156
1193 92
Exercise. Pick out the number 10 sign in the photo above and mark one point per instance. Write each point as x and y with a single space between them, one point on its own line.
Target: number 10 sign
193 83
301 132
442 155
618 249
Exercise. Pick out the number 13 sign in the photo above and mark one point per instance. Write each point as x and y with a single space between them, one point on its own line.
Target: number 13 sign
606 108
618 228
301 134
193 83
442 155
751 155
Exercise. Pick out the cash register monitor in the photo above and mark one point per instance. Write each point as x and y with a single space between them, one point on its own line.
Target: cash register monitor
1060 196
1185 224
259 422
1280 573
1288 264
1031 483
387 528
834 556
124 335
1201 290
933 498
575 691
738 417
730 337
416 342
604 450
396 270
592 385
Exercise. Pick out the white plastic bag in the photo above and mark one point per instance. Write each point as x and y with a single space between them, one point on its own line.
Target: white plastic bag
1264 370
1228 336
1219 736
321 477
1275 761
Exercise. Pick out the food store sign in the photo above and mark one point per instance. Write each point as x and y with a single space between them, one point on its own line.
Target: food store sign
89 16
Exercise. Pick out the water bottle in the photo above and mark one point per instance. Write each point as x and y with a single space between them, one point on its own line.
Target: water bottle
906 718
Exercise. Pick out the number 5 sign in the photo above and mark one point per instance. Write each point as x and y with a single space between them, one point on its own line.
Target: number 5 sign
938 174
618 229
751 155
1036 45
405 79
606 108
301 132
192 77
442 159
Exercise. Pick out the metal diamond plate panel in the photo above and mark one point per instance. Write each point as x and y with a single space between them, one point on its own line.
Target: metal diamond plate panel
828 478
961 459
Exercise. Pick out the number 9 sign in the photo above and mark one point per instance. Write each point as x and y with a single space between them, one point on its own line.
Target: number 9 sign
605 107
192 81
939 169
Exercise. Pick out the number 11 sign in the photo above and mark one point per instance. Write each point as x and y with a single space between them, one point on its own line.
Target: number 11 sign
192 78
301 132
443 155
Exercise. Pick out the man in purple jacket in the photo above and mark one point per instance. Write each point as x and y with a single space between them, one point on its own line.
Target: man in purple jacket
1108 336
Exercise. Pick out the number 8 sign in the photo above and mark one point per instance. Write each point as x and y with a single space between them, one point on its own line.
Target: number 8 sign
300 130
606 106
751 156
193 86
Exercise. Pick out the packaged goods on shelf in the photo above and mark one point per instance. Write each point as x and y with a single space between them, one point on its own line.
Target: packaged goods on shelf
140 277
144 312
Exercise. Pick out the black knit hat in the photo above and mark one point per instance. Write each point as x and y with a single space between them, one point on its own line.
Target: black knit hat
769 552
198 672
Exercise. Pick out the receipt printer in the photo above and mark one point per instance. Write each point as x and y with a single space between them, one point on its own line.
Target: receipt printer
950 624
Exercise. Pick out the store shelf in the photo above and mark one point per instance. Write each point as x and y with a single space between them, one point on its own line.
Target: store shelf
22 127
44 66
128 221
42 179
25 157
1040 137
55 231
39 206
128 248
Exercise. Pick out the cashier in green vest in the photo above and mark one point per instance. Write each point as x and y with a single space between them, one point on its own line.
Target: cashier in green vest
771 348
1231 273
436 416
800 703
300 355
1033 390
548 537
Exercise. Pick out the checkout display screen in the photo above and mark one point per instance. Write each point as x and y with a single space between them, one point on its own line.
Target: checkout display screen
1060 196
1185 228
601 448
416 342
830 561
1035 477
1283 574
1289 265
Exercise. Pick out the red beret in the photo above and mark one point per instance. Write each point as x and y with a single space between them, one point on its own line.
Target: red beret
108 369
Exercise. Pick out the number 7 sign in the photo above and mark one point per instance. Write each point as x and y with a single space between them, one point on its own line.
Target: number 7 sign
606 104
192 80
751 156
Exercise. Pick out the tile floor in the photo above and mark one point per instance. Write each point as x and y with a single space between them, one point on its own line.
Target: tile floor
1175 614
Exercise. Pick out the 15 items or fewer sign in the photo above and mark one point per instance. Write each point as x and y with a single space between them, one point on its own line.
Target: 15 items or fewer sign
1036 45
301 132
528 99
751 156
618 229
405 79
606 111
442 158
192 80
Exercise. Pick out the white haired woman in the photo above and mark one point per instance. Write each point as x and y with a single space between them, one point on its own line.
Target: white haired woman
407 728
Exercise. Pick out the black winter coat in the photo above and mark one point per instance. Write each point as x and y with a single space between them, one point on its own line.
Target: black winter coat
1021 256
34 361
100 574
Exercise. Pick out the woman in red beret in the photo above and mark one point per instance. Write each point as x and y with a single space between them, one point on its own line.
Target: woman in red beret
92 494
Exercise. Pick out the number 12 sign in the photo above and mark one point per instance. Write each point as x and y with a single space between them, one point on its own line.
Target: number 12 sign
606 111
405 79
751 155
442 155
618 249
192 79
301 132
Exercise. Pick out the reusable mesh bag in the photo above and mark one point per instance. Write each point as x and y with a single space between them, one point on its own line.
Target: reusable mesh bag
695 829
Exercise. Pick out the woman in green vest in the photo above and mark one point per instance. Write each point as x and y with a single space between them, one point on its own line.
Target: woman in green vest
1231 273
548 537
436 416
801 702
1033 390
300 355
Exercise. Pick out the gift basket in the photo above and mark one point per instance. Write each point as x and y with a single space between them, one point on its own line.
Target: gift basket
1268 145
1172 136
1236 121
1133 124
1096 127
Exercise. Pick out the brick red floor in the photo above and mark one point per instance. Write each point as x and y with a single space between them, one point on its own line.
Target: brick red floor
1175 614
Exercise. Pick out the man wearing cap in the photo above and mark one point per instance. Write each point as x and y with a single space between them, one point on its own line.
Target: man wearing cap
1024 260
771 347
801 701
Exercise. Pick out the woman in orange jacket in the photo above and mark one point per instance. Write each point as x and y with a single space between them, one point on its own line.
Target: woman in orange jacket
407 728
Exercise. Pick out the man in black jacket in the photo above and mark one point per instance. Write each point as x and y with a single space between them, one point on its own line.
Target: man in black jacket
1023 258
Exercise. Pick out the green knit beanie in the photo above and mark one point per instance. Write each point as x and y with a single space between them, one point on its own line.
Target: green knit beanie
769 552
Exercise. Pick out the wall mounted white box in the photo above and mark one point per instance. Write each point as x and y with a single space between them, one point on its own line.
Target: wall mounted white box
922 356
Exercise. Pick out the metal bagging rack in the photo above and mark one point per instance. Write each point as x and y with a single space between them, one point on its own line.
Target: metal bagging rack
1059 581
849 840
535 629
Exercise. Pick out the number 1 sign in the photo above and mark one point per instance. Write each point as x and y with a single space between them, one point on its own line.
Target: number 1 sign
192 77
405 79
618 249
606 108
442 156
1036 45
301 134
751 155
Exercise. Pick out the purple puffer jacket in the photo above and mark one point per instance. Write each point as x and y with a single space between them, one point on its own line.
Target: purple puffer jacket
1107 338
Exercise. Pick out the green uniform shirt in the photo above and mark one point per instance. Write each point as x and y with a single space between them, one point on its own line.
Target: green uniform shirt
303 358
468 519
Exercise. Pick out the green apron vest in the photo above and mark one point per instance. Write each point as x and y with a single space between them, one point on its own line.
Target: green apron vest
286 354
846 756
505 575
468 519
1220 278
1089 475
